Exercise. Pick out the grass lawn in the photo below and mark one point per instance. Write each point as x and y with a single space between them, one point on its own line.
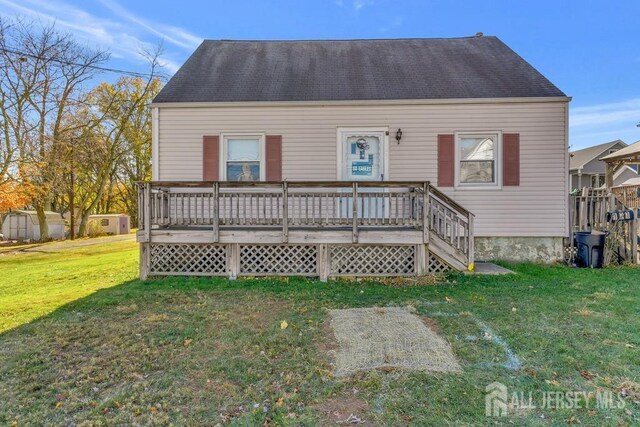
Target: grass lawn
83 342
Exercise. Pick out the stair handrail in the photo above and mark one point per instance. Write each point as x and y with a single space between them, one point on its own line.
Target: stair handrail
447 229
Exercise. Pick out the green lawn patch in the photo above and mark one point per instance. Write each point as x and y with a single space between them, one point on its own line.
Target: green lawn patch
85 342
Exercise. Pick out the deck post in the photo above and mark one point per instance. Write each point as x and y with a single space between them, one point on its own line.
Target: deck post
634 237
471 247
147 212
233 260
355 212
285 212
425 212
421 259
144 261
216 214
323 262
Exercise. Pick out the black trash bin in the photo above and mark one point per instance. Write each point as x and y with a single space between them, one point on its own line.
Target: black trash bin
590 248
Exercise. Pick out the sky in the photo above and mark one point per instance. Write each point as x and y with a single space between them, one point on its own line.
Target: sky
589 49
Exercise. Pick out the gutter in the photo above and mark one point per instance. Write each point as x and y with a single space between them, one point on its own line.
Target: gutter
372 102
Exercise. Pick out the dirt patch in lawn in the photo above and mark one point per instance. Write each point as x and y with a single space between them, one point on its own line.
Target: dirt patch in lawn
387 338
345 410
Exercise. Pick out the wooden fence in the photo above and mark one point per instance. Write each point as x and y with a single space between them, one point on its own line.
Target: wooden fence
628 195
588 211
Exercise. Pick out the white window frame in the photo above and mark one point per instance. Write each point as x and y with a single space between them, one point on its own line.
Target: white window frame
497 184
224 137
340 148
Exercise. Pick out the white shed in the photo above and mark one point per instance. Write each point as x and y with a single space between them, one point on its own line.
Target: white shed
112 223
23 225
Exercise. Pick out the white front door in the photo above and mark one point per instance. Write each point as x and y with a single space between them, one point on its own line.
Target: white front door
362 157
362 154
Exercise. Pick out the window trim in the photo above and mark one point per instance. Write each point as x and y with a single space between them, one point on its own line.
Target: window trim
224 137
497 184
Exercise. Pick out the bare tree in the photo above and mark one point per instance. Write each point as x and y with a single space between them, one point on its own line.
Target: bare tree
116 149
42 72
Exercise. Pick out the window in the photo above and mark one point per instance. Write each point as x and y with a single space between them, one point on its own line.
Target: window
104 222
613 150
477 160
242 158
597 181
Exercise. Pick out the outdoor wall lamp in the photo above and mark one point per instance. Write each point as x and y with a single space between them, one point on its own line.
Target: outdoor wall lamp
399 135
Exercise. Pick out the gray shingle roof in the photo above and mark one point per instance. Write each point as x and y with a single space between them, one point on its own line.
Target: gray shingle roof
331 70
579 158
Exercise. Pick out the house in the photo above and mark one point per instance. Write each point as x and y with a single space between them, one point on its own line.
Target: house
588 170
23 225
409 152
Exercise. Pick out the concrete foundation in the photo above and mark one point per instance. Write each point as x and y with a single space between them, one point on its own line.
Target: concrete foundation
520 249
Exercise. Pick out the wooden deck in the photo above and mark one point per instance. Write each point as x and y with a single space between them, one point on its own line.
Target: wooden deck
307 228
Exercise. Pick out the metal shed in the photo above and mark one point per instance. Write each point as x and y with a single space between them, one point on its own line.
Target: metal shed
23 225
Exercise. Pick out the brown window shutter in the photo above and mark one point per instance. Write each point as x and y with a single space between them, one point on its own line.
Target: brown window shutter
273 154
446 160
211 158
511 159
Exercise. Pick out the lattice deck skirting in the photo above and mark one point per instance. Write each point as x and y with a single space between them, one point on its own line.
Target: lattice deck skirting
190 259
290 260
436 265
324 260
372 260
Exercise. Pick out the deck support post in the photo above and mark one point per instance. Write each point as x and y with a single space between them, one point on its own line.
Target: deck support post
145 260
422 252
355 212
323 262
425 212
147 212
634 237
471 245
285 212
233 260
216 214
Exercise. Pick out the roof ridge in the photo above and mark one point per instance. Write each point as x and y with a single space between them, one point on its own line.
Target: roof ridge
349 40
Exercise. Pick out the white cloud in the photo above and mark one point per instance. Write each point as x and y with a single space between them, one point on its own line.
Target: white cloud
601 123
174 35
357 5
124 41
601 114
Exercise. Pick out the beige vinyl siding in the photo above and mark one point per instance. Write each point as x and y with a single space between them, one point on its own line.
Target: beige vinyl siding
535 208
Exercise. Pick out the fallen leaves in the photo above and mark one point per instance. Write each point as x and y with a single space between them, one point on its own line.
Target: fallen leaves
587 375
284 325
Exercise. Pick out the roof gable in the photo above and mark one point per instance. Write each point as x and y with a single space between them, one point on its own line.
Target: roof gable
335 70
580 158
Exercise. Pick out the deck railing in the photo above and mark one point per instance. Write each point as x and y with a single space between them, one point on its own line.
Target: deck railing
451 222
316 205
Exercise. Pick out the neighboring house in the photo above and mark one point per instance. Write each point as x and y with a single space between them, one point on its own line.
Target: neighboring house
23 225
587 170
466 114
